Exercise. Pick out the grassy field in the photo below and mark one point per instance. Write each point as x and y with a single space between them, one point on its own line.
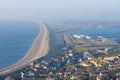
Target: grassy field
81 49
85 48
107 55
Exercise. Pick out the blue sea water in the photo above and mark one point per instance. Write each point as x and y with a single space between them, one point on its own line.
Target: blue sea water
15 40
105 32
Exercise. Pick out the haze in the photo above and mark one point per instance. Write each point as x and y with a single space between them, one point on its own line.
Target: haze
100 10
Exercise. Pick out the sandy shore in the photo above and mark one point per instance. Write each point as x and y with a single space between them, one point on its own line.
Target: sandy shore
39 49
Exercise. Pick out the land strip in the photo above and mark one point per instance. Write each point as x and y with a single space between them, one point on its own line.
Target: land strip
39 49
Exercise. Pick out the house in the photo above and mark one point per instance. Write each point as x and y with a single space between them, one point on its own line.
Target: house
110 58
9 78
84 64
98 78
37 65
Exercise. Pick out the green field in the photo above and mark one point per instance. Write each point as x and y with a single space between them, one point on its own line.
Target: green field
85 48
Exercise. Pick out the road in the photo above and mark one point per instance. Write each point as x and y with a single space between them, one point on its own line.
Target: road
39 49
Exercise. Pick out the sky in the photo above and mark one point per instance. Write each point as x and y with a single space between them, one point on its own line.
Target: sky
95 10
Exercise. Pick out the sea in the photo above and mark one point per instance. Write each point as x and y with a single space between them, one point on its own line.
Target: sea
105 32
16 37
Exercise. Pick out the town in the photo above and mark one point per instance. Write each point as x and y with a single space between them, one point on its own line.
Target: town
77 63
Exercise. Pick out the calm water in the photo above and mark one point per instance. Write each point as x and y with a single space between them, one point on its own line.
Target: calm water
106 32
15 40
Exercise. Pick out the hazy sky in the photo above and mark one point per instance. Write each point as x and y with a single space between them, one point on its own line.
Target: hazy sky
106 10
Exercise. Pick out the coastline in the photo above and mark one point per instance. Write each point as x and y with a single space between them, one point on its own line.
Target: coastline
39 48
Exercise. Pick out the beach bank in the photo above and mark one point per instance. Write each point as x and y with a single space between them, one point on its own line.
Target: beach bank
39 48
